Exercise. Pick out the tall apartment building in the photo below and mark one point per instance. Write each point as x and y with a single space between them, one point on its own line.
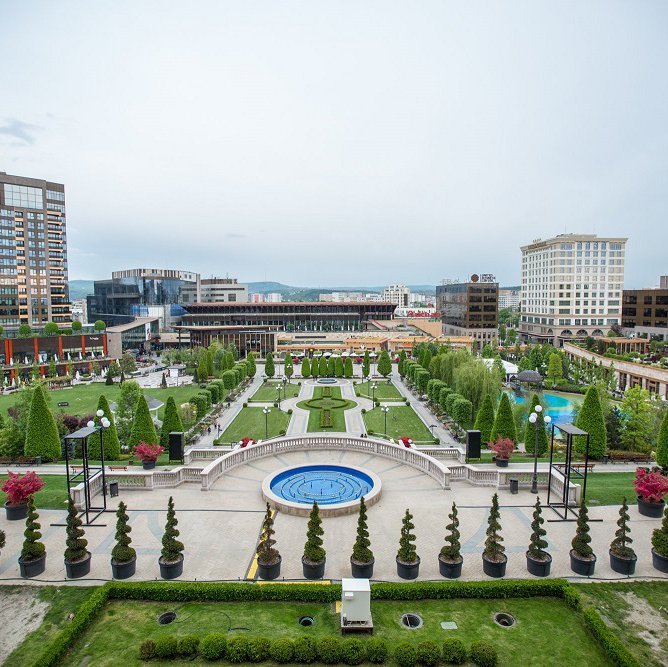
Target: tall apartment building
509 298
469 309
33 252
645 311
397 294
214 290
571 287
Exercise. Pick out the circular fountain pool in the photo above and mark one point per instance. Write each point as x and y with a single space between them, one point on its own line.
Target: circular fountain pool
336 489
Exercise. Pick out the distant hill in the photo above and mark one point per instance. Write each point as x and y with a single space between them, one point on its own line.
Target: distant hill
289 292
80 289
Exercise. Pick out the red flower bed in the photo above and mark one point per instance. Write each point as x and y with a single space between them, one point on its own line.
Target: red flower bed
148 452
247 441
650 485
503 448
20 487
406 442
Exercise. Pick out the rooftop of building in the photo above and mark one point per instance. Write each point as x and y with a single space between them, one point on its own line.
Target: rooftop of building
137 322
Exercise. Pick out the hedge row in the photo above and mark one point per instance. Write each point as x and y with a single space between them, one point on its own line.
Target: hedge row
325 418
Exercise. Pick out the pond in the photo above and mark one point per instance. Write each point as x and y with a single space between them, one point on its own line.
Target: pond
561 407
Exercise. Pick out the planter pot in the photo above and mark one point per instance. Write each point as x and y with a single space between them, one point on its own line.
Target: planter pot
501 463
313 570
450 569
148 465
582 566
625 566
493 569
654 510
171 570
16 512
660 562
362 570
539 568
123 570
32 568
270 571
76 569
408 570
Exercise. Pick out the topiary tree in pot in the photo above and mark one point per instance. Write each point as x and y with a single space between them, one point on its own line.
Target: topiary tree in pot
268 558
660 545
408 562
313 560
123 556
538 560
171 556
77 557
362 560
583 559
19 488
450 559
32 560
622 556
494 559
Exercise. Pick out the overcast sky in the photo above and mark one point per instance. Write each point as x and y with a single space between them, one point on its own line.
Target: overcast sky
341 142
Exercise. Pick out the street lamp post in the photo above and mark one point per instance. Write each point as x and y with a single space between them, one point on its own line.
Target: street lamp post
534 418
266 412
278 389
104 423
374 386
385 410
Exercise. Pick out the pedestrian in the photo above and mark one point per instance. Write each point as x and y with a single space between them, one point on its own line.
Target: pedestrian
208 430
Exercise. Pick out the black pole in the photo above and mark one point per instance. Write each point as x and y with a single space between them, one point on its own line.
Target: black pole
104 479
84 452
534 479
549 475
584 482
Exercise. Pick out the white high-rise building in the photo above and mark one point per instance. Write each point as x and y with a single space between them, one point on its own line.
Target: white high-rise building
571 287
397 294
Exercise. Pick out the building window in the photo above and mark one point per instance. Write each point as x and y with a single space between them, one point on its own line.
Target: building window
24 196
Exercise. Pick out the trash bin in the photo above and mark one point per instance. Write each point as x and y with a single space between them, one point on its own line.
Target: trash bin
113 489
606 458
514 486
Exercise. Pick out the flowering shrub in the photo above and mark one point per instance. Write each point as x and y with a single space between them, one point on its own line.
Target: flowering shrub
19 488
406 442
503 448
247 441
147 452
650 485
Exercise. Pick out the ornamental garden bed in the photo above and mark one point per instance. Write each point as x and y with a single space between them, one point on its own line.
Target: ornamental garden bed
326 400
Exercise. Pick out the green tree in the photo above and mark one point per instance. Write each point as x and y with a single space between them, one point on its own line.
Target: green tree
348 368
112 446
113 370
538 544
407 552
229 361
361 551
143 429
269 369
51 329
128 364
659 536
99 325
125 410
322 366
451 551
494 549
426 359
591 420
32 548
484 421
462 412
306 367
638 425
402 361
580 543
25 331
313 551
487 351
171 422
229 380
621 545
288 368
266 554
474 380
122 551
172 549
76 326
662 443
366 364
504 423
75 543
384 364
315 367
554 368
202 369
331 367
53 369
42 437
338 367
530 430
250 364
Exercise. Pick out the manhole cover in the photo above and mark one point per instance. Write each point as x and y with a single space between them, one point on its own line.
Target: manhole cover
306 621
167 618
411 621
448 625
504 620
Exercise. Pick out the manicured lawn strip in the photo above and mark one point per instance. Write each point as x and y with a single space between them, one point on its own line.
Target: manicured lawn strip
384 391
608 488
337 411
53 495
250 422
401 421
268 392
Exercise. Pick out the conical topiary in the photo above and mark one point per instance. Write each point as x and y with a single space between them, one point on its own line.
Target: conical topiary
361 551
112 445
122 552
591 419
451 551
313 551
266 554
484 421
171 421
172 549
75 542
580 543
269 369
306 368
407 552
660 536
620 546
42 437
143 429
504 422
32 548
538 545
494 549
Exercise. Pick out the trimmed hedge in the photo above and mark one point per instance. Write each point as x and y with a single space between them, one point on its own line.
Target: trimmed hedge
608 640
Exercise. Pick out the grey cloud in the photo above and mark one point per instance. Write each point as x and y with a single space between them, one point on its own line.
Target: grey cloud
17 129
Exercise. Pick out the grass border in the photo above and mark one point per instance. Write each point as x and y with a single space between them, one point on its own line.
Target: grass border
251 592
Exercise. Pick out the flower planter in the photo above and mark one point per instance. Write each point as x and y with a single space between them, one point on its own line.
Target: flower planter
80 568
171 570
450 569
539 568
494 569
362 570
582 566
651 509
32 568
123 570
313 570
625 566
408 570
16 512
501 463
148 465
660 562
269 571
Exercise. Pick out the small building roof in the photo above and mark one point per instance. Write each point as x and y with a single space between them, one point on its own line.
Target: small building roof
137 322
530 377
361 585
81 434
570 429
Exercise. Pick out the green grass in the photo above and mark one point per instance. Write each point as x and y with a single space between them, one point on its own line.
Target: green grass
401 421
633 611
608 488
384 391
547 632
267 393
250 422
62 601
335 403
53 495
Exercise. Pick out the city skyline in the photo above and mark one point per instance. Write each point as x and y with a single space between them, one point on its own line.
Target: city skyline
332 146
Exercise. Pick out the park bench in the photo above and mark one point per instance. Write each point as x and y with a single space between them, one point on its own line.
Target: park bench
629 457
21 461
578 467
118 467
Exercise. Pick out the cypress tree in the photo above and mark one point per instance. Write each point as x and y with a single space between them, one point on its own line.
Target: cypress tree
484 421
504 423
172 549
163 381
250 364
338 367
143 429
112 445
348 368
229 360
331 367
384 364
171 421
361 551
580 543
32 548
122 551
366 364
538 545
315 367
313 551
42 437
306 367
288 368
322 370
620 546
426 360
76 544
407 552
269 369
591 420
494 549
401 365
530 430
266 554
662 443
451 551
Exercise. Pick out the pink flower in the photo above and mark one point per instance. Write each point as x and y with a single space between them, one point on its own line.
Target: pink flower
148 452
503 448
19 488
247 441
651 486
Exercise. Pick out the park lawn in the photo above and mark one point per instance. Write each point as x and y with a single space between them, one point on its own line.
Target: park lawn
385 391
401 421
634 612
250 423
53 495
608 488
337 410
267 393
560 635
